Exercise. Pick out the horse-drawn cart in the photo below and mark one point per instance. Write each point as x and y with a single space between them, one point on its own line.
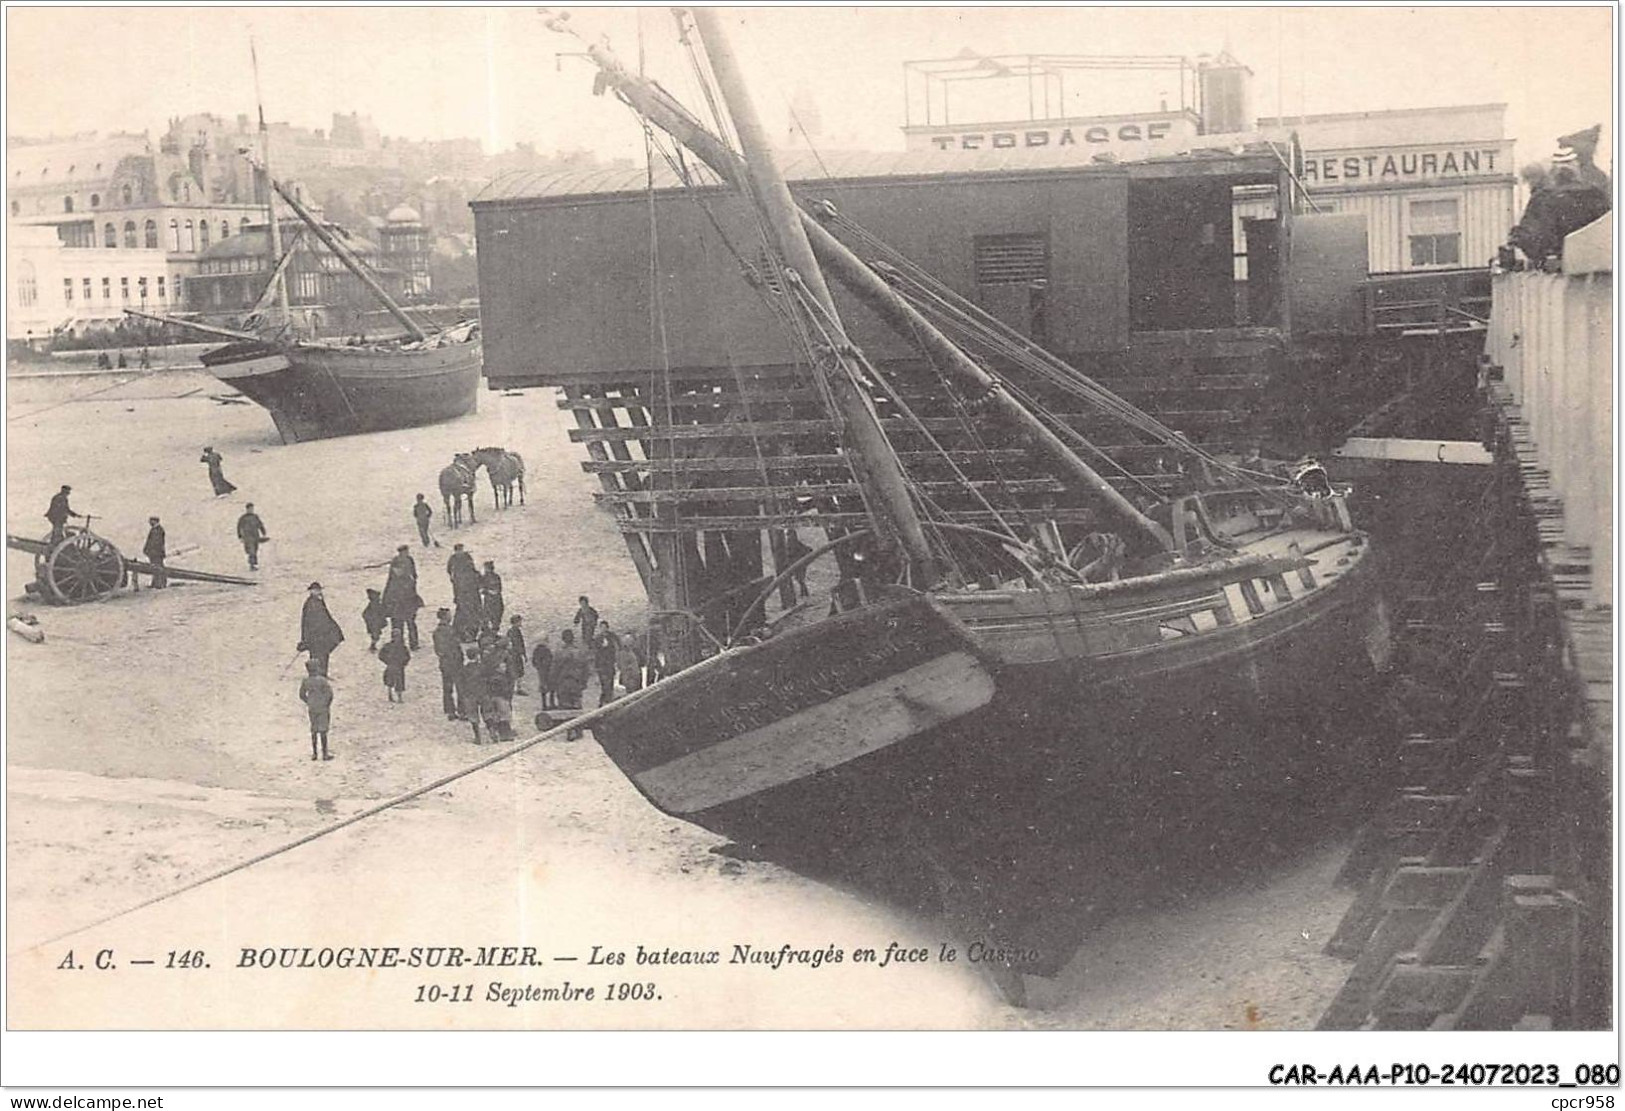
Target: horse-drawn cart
82 566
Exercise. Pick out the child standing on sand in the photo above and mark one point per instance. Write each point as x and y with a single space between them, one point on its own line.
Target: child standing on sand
396 656
316 692
373 617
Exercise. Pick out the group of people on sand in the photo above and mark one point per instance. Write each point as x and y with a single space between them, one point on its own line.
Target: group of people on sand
483 662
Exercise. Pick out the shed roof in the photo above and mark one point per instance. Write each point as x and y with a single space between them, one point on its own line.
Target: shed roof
255 242
850 166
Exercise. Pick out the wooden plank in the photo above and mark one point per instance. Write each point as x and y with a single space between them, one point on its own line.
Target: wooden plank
635 545
633 376
1414 991
1395 933
1422 886
800 395
820 490
728 523
766 396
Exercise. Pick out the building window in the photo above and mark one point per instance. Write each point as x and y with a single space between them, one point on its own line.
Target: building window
27 285
126 194
109 236
141 289
203 235
150 232
161 294
129 234
67 204
95 200
180 287
189 238
310 286
174 234
186 190
107 289
67 291
124 289
1435 232
225 229
84 288
242 225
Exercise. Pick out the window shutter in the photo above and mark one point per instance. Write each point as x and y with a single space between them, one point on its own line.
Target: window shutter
1011 259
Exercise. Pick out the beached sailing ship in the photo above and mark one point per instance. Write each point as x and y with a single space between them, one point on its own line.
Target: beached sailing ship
316 388
980 680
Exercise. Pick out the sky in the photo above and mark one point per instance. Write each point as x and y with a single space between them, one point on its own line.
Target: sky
499 75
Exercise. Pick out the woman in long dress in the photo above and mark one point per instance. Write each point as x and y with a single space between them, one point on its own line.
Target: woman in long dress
216 474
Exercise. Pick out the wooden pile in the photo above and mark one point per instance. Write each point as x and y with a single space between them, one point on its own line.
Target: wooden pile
1485 901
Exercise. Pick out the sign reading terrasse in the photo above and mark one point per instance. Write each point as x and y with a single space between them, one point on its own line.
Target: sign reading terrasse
1095 134
1383 165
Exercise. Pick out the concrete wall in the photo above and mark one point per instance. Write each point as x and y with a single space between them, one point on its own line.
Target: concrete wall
1552 335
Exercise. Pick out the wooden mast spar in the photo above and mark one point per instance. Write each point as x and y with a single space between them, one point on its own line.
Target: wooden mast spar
278 282
347 257
875 465
657 106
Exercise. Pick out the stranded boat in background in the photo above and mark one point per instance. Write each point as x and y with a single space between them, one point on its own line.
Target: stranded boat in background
315 390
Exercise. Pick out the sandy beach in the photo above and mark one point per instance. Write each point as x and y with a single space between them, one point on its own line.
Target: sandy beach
156 737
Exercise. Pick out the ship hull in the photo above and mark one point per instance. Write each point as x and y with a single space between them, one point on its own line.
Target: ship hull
1001 793
316 391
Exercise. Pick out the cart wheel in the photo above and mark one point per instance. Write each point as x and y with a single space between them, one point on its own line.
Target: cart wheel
82 568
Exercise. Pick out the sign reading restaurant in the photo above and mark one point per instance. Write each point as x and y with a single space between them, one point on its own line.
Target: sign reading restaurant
1377 166
1120 134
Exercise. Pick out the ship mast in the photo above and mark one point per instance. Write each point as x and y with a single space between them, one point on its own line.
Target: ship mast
264 169
348 258
657 106
875 465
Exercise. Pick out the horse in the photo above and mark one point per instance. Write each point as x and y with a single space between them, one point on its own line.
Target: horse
457 483
505 469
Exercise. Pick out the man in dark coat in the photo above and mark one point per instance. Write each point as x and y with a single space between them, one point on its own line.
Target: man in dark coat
587 619
319 634
491 597
516 653
251 531
541 658
604 654
472 690
401 601
570 671
155 552
461 570
465 592
58 513
423 513
449 652
372 616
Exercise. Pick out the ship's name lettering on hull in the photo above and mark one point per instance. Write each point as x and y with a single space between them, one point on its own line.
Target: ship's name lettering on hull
1400 165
